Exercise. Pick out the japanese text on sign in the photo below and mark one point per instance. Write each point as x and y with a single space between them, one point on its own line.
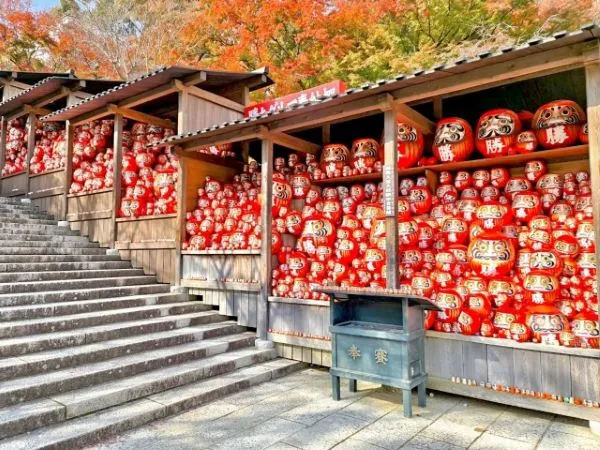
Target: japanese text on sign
309 95
388 190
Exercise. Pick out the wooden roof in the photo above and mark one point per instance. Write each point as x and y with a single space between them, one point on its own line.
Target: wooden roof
405 87
207 79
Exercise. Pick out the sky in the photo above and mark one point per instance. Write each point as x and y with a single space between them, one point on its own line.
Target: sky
40 5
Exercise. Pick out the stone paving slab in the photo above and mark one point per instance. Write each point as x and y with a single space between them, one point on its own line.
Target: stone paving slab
297 412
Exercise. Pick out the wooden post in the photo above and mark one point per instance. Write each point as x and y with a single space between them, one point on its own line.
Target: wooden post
118 156
326 134
438 109
262 309
69 136
390 197
181 211
592 82
3 126
31 119
182 111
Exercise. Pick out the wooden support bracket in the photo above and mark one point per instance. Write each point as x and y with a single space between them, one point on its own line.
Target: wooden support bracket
410 116
30 109
141 117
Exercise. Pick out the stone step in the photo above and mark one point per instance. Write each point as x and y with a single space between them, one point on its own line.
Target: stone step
27 226
19 207
27 220
74 338
8 259
24 215
38 298
92 319
45 250
88 429
43 237
43 385
48 244
46 361
64 266
31 287
19 277
26 312
55 231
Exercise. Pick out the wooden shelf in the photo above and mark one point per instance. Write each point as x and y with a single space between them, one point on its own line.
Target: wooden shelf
220 252
22 172
348 180
299 301
142 218
575 153
520 401
47 172
509 343
83 194
221 285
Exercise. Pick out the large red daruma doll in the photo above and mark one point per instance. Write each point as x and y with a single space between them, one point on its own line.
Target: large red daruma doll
496 132
453 140
333 159
557 124
411 144
491 255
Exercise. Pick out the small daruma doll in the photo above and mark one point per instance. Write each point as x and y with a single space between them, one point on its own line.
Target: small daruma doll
586 329
496 132
557 124
333 159
410 145
453 140
546 323
365 153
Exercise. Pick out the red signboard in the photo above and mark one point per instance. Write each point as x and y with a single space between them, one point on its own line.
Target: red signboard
306 96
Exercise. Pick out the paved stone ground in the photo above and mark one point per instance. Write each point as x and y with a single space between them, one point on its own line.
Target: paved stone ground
297 412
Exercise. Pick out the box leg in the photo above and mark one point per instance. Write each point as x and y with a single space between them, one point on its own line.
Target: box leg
335 387
422 395
407 401
352 385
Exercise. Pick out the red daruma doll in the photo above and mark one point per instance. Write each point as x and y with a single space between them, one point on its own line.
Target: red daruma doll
496 132
557 124
453 140
410 145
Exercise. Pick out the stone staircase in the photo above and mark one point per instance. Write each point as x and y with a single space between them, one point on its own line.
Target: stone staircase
90 347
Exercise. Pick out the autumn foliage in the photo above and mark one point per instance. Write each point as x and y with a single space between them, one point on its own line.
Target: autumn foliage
304 42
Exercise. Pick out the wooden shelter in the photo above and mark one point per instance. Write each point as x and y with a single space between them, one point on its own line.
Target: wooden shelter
47 95
566 65
174 97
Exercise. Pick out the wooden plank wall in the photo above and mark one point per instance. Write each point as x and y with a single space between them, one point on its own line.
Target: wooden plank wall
46 191
14 186
221 267
202 114
542 371
233 303
91 215
150 245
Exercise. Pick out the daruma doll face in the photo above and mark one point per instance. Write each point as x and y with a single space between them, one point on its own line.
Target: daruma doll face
557 124
496 132
453 140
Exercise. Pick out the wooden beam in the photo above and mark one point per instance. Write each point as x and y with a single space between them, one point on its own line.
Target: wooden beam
92 115
592 82
141 117
194 79
3 126
413 118
291 142
118 157
183 106
70 135
76 97
148 96
31 120
390 197
61 93
244 134
325 113
181 212
262 307
216 99
525 67
14 83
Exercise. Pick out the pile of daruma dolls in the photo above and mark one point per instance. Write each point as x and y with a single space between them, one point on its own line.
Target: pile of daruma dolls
50 151
15 153
148 172
227 215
